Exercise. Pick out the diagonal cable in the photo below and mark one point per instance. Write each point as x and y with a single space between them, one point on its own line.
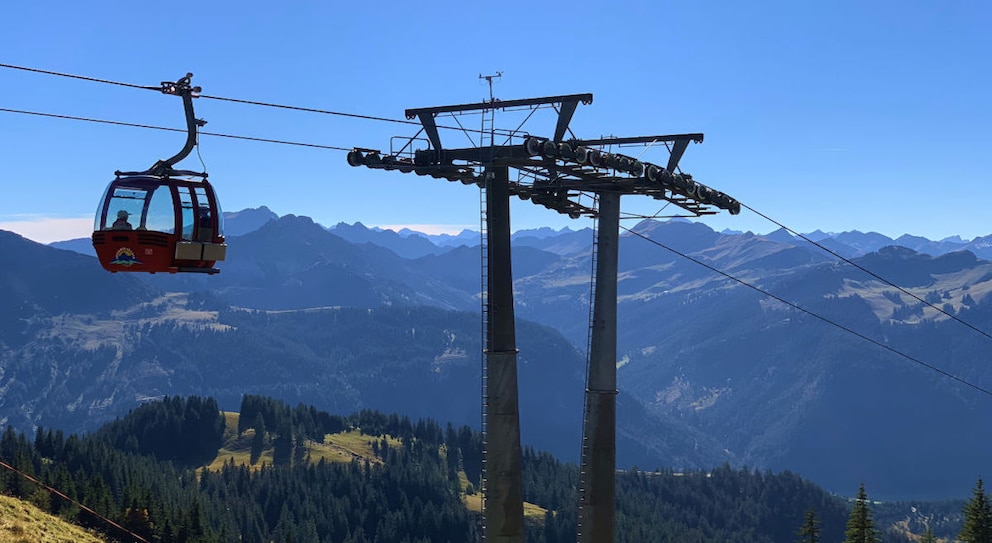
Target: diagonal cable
815 315
862 268
56 492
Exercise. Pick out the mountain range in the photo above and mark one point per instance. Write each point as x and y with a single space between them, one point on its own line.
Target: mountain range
710 370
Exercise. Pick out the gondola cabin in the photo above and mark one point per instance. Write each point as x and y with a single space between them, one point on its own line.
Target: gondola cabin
149 223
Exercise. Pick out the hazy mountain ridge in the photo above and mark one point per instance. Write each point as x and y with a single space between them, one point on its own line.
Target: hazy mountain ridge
745 377
409 243
76 369
294 263
34 283
410 246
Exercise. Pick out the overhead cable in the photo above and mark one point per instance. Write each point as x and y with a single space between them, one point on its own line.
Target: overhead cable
309 110
226 99
165 128
82 77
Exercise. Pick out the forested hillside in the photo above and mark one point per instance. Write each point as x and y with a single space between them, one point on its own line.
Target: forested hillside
132 473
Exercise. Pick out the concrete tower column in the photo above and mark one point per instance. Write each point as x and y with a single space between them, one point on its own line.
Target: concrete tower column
504 514
597 481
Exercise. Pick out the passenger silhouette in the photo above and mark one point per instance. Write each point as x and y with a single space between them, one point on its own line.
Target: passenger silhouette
121 222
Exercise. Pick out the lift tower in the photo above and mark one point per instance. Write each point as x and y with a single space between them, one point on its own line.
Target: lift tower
576 178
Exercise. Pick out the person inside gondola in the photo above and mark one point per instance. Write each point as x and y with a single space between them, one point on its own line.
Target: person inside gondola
204 230
121 222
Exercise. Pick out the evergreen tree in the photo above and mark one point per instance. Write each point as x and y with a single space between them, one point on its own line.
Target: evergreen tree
257 442
928 536
282 445
977 517
809 532
860 527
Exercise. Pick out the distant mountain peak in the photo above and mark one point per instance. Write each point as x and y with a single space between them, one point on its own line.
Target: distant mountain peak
299 226
294 218
405 243
781 235
818 235
674 225
356 226
239 223
261 210
909 237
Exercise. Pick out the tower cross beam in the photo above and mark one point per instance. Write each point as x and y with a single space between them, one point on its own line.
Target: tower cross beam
696 137
569 102
585 98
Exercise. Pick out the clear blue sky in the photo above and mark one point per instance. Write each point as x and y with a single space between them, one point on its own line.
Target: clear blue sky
836 116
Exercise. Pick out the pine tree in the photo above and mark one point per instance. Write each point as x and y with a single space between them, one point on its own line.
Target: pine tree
860 526
809 532
928 536
977 517
258 442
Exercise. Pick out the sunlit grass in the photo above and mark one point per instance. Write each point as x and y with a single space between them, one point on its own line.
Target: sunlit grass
342 447
21 522
473 502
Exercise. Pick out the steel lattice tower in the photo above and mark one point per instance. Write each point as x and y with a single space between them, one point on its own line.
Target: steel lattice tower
559 175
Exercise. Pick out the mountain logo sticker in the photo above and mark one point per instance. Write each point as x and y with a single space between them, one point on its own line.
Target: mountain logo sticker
125 257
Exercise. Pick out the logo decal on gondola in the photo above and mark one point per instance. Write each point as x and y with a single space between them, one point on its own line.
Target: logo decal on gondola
125 257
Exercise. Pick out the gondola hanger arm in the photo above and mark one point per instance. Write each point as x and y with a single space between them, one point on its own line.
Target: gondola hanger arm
187 92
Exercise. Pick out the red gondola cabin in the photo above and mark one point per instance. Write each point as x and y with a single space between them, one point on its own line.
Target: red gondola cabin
149 223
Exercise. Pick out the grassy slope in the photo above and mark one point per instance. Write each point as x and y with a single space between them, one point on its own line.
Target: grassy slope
951 283
341 447
21 522
92 331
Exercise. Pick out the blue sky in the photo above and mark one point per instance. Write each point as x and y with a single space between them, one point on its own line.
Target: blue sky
836 116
